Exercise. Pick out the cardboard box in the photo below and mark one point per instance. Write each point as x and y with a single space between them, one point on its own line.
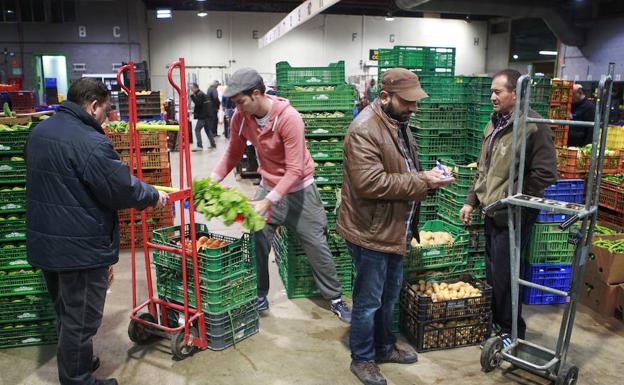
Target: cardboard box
610 266
599 296
619 303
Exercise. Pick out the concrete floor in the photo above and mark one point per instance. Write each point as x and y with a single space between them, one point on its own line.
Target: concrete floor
301 342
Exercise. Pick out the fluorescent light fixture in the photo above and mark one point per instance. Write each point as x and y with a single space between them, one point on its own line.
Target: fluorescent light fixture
515 56
163 13
202 14
389 17
548 53
9 11
200 1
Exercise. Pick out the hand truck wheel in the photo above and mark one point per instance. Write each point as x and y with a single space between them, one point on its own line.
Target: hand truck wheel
567 376
179 349
139 333
491 354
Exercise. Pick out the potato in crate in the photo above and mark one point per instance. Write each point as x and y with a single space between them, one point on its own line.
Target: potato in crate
441 245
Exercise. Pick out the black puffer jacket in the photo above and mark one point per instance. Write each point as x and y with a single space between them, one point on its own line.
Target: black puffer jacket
75 185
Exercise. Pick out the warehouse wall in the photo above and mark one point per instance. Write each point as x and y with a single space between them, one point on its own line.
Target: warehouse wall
324 39
605 43
99 49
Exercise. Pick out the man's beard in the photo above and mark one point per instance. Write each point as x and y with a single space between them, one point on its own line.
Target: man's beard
389 110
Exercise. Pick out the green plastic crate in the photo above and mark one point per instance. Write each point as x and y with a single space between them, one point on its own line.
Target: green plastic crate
12 200
441 145
288 76
438 256
328 175
26 308
13 228
329 197
549 244
339 99
13 256
214 264
28 334
21 282
217 296
12 172
440 116
13 143
464 177
326 124
449 206
326 154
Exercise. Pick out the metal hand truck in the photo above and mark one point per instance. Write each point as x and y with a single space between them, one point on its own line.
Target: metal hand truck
191 335
523 354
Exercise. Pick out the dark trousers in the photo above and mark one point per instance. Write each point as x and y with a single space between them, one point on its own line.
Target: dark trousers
205 124
377 286
78 298
213 122
498 269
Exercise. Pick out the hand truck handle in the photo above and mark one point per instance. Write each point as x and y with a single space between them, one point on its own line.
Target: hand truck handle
119 81
491 207
569 222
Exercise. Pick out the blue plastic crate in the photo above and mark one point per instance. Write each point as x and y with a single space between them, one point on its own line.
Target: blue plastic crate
564 190
551 275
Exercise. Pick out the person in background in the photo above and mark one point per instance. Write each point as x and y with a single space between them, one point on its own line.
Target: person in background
75 185
582 110
228 112
491 185
201 112
381 193
370 91
287 193
213 107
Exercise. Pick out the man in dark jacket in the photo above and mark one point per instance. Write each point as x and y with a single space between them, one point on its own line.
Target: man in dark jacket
491 185
75 185
382 190
202 114
582 110
213 107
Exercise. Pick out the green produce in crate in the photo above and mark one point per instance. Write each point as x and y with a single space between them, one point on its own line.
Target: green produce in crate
213 200
6 109
598 229
613 245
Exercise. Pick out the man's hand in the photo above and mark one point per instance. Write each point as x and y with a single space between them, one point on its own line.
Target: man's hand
465 214
163 198
262 206
435 178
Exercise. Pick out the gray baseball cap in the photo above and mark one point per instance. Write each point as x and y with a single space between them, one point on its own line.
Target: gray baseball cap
242 80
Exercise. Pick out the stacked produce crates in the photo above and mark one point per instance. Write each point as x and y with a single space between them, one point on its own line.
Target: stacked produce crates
149 104
479 113
540 95
611 205
423 61
549 254
27 314
227 278
326 103
560 108
156 171
22 102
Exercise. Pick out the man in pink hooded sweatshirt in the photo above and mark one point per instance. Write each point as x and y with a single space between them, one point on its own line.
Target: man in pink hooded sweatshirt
287 190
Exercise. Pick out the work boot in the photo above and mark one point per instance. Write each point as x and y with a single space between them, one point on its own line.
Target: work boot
400 356
95 363
368 372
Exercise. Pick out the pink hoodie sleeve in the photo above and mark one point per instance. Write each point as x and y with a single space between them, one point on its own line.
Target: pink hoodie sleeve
291 130
234 152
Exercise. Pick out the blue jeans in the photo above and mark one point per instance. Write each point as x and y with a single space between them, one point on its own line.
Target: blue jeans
377 286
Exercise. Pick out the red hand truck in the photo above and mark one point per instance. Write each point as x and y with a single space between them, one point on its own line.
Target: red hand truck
190 335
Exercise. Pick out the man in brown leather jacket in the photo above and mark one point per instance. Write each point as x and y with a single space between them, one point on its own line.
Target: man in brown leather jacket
378 216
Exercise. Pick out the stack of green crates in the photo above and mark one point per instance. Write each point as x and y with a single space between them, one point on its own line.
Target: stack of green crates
423 61
227 277
439 125
540 95
27 315
326 103
295 270
479 113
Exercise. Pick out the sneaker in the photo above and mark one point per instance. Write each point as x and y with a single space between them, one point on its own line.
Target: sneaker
198 148
95 363
108 381
506 337
262 304
368 372
400 356
341 309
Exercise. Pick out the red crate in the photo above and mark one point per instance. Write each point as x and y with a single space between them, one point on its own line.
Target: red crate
160 177
573 161
147 139
152 213
611 217
124 232
22 102
612 198
9 87
560 134
561 92
560 112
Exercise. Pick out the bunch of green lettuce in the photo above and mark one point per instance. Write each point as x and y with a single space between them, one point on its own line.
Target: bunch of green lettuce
215 201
